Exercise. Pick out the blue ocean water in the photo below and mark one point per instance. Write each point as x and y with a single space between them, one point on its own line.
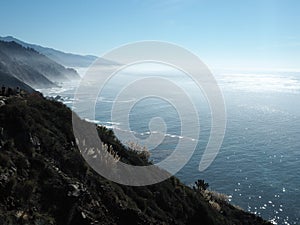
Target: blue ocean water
258 163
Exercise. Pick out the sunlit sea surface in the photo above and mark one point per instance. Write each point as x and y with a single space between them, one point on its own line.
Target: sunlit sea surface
258 163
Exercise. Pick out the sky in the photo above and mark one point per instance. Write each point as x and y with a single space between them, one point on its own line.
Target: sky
256 34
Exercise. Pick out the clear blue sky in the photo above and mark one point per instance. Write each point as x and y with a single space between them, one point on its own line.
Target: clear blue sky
224 33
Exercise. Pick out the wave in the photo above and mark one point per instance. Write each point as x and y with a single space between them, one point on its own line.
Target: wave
103 99
114 126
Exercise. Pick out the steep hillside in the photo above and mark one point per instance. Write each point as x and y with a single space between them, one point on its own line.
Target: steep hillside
7 80
31 67
66 59
44 179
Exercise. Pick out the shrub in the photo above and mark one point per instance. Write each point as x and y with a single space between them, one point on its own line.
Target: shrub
201 185
24 190
4 160
142 151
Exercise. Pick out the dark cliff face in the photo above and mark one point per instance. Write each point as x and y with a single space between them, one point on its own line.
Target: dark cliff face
45 180
31 67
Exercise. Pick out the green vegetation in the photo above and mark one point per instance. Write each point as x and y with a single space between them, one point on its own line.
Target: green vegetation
45 180
201 185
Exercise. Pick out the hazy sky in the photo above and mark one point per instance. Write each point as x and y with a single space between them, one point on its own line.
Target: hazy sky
224 34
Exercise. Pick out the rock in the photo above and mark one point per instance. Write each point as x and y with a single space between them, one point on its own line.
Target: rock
83 215
2 103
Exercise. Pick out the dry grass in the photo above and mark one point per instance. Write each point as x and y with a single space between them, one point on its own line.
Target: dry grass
215 205
142 151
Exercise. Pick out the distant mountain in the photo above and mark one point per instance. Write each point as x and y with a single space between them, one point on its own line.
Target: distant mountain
65 59
31 67
9 81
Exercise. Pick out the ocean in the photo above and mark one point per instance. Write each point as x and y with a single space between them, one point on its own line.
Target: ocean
258 163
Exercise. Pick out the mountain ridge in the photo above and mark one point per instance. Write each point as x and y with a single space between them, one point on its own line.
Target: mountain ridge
7 80
32 67
63 58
